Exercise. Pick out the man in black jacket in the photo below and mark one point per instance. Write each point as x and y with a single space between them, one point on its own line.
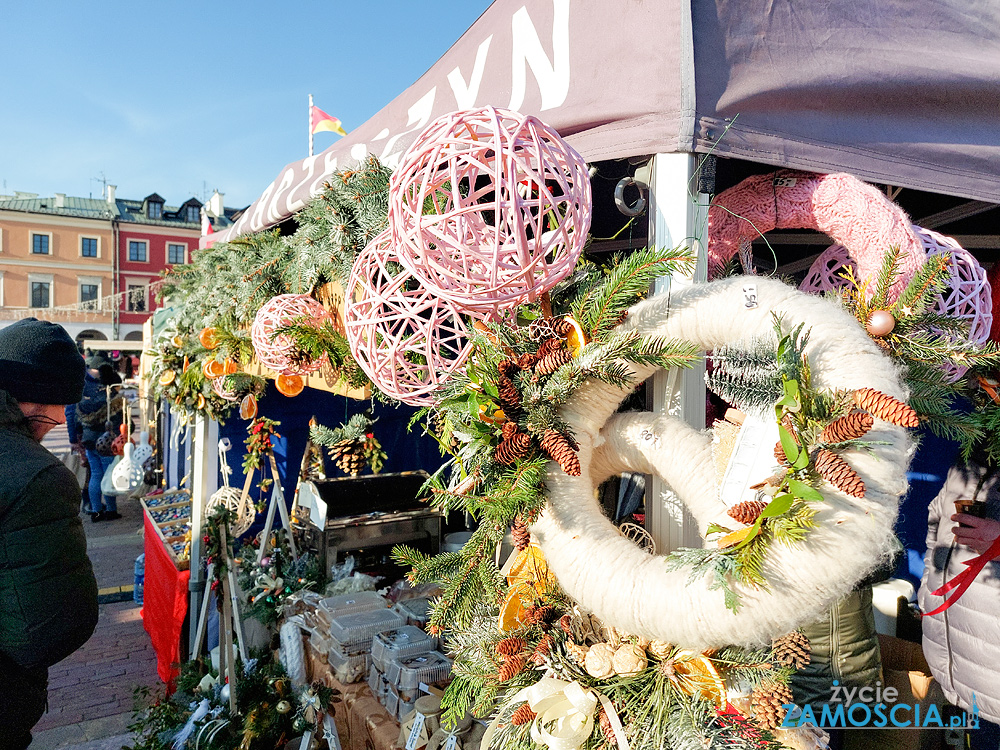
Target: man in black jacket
48 594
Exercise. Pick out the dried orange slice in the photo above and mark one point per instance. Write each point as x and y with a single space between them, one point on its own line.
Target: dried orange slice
695 674
513 609
209 338
177 341
199 403
187 363
576 339
168 377
289 385
213 369
529 568
231 367
497 417
248 407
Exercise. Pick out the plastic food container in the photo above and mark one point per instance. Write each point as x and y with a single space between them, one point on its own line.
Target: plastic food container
393 645
376 684
409 672
416 611
353 633
348 668
348 604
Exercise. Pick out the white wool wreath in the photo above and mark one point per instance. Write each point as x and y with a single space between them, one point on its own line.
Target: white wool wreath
632 590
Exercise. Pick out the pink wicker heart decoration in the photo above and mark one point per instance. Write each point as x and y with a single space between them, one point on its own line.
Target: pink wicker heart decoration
489 208
280 354
407 339
967 295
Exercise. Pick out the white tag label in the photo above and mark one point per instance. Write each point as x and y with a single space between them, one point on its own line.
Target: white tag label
451 743
413 740
750 296
785 181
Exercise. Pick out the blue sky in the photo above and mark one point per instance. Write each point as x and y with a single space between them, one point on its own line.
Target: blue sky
183 98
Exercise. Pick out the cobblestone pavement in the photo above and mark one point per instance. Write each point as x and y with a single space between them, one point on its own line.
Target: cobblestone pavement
91 691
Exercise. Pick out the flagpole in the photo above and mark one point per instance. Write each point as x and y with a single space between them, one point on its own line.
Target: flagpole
310 125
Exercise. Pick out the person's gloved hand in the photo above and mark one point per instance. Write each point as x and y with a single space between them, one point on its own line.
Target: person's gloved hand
974 532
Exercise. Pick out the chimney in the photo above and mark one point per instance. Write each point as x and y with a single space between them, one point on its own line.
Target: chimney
111 194
60 200
214 208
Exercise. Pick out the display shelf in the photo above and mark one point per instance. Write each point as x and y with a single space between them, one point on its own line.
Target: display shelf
169 514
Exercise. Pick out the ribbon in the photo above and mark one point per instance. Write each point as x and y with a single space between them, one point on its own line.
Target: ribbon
565 714
181 738
963 580
311 705
267 585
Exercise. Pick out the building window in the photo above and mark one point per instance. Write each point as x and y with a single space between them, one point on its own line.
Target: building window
154 210
40 294
137 251
88 296
136 298
40 244
88 247
193 214
175 253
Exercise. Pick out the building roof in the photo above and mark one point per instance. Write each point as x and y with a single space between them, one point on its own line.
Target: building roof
83 208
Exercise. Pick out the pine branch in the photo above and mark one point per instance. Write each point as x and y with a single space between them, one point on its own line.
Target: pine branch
887 274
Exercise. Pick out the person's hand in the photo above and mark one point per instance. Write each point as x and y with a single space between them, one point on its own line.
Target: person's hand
975 533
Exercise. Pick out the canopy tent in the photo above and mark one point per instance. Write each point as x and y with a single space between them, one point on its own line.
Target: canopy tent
901 92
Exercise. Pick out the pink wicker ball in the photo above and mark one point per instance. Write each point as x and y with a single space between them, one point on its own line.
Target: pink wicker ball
407 339
489 208
855 214
278 312
967 295
220 387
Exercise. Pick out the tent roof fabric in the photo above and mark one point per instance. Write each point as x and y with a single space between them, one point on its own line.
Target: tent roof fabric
894 91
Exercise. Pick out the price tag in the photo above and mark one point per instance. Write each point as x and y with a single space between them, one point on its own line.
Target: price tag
750 296
785 181
451 743
417 733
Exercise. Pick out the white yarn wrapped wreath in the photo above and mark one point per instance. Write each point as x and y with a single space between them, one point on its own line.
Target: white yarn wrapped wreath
632 590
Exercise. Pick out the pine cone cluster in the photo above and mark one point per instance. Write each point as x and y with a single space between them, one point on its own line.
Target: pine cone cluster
792 650
551 362
523 715
766 703
511 646
513 449
520 534
839 473
747 511
511 667
349 456
560 449
885 407
850 427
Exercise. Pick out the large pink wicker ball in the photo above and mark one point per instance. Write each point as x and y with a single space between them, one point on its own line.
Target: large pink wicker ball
406 338
966 296
221 387
278 352
489 208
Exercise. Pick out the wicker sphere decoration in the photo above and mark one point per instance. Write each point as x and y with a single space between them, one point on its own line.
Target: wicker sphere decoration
489 208
407 339
966 296
280 311
233 499
222 389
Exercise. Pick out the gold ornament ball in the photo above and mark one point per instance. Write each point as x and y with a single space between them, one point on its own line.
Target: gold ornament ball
283 707
880 323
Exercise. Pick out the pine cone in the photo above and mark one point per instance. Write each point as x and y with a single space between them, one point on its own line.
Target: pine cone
521 535
566 623
513 449
779 454
886 407
507 393
543 328
560 450
349 456
609 733
526 361
510 646
551 362
839 473
511 667
507 429
747 511
523 715
766 703
792 650
539 615
542 650
548 347
849 427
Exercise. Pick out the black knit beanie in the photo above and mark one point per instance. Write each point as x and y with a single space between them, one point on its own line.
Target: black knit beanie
40 364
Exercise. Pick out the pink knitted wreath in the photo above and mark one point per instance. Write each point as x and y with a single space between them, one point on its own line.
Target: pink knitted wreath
855 214
489 208
967 295
276 352
407 339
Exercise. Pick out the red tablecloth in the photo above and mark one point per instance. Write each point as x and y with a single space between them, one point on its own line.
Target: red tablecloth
164 603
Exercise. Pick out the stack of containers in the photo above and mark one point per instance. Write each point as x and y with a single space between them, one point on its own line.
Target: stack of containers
355 619
388 650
